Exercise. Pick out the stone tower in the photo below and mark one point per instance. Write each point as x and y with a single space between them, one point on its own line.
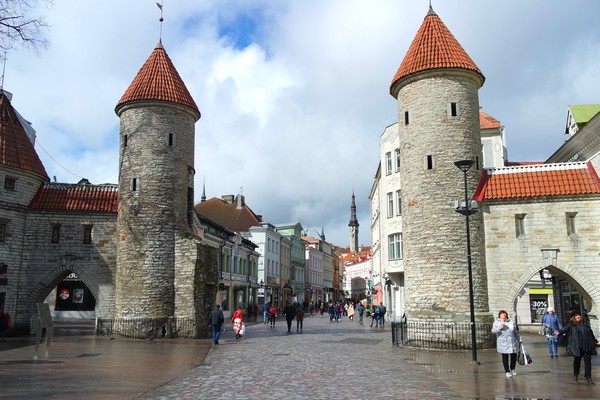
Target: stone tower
353 227
156 191
437 87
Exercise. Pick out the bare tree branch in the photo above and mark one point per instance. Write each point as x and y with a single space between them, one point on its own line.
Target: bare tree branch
19 26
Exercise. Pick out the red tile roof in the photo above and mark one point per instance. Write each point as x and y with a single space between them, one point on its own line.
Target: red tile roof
158 80
487 122
86 197
16 150
434 47
539 180
228 214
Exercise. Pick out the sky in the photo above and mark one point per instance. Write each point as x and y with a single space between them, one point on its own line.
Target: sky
294 94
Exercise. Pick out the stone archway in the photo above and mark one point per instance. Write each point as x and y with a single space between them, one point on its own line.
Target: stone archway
48 282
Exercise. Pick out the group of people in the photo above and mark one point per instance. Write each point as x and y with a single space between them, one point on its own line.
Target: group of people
581 341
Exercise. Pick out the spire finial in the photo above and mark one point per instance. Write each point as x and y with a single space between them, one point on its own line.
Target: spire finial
431 12
161 17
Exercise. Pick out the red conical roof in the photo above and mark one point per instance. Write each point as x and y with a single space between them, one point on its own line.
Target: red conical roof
433 47
16 150
158 80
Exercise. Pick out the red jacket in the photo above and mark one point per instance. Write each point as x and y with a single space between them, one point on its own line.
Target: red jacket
237 314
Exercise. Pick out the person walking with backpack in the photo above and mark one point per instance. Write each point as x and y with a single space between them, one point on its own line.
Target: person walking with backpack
375 313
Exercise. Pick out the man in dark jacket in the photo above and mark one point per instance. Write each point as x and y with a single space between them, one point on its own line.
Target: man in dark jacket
289 311
215 320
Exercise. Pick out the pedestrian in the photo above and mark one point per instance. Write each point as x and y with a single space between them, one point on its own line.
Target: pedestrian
255 312
551 324
272 315
582 345
215 320
331 312
299 318
265 313
508 340
249 312
351 312
238 319
382 311
289 313
375 312
361 311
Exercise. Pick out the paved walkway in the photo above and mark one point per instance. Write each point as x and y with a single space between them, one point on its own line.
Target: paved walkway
328 360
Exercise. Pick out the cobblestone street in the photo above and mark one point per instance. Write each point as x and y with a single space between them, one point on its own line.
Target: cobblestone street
328 360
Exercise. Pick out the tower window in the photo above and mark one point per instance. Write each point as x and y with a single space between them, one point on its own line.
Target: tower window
171 138
571 223
134 184
2 232
405 117
520 224
87 234
453 110
477 162
9 183
125 138
388 163
429 162
55 233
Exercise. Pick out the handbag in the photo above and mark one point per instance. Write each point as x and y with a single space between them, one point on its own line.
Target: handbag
523 357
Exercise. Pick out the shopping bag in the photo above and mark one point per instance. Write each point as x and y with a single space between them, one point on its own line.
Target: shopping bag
523 357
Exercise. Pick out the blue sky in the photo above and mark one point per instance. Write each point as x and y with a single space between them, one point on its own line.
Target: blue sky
295 94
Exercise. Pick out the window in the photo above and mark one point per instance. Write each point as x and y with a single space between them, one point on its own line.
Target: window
125 138
520 224
388 163
2 232
390 201
429 162
170 140
398 202
55 233
571 223
134 184
395 249
9 183
453 112
397 154
87 234
405 117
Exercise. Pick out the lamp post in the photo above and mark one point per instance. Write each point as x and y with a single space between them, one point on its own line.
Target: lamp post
464 166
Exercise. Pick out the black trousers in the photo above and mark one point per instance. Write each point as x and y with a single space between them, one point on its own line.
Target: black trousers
513 361
587 364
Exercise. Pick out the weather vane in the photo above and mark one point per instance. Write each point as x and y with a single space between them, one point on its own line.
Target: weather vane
3 71
161 18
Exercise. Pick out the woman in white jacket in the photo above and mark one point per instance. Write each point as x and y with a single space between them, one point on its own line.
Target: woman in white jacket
507 341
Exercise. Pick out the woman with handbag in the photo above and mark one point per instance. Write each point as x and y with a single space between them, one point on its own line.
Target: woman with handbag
507 342
582 345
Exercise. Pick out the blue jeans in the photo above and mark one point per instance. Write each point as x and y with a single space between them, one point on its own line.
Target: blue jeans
375 318
552 342
216 332
265 317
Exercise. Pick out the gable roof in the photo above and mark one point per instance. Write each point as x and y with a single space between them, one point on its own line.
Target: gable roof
228 215
434 47
16 150
488 122
158 80
584 112
527 181
79 197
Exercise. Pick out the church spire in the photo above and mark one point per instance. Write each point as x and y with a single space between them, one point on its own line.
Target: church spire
353 224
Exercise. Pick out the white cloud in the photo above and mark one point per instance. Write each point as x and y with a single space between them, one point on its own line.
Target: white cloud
295 117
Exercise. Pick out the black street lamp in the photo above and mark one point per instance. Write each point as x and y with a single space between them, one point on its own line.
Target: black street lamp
464 166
